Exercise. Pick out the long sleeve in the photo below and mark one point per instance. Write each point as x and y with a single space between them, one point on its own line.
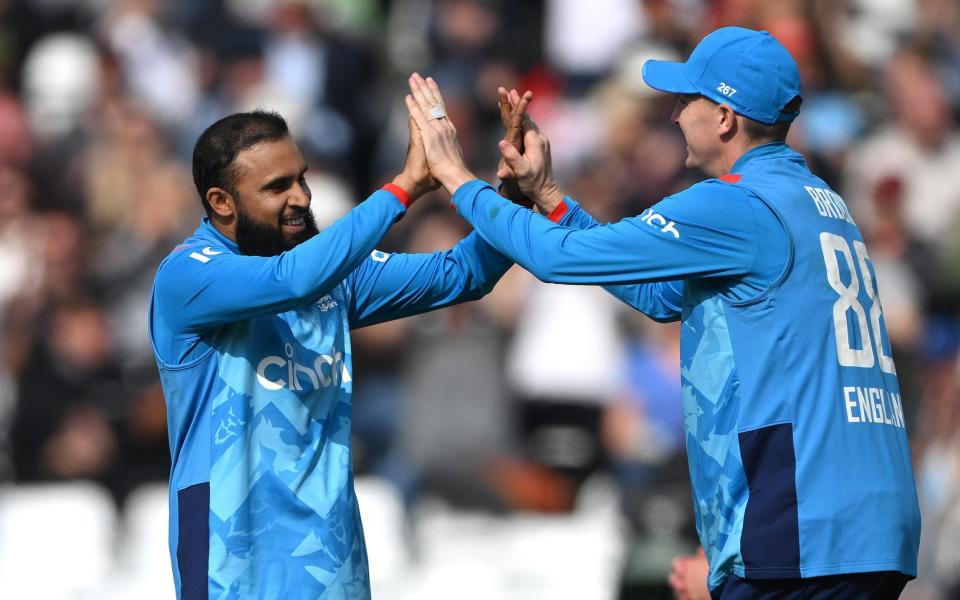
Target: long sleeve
703 232
392 286
660 300
201 286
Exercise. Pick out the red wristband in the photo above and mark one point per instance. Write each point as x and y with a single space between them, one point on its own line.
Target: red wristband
557 213
399 192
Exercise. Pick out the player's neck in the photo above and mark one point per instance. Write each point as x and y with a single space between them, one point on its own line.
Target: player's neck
730 153
227 229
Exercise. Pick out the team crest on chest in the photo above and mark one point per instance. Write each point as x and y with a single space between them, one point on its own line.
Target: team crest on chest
326 303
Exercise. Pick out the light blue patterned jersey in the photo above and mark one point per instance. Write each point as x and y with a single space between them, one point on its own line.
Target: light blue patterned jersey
796 441
254 357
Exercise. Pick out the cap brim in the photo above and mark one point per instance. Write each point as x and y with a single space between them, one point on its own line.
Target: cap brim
667 76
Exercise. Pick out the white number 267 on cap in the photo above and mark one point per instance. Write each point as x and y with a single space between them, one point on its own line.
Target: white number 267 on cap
725 89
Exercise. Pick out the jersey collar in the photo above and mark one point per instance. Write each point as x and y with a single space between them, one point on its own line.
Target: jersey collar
773 149
208 230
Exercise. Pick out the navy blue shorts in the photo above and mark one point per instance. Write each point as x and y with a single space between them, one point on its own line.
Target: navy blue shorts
881 585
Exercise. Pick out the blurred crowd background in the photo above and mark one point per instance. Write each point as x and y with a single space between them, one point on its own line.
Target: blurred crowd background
511 445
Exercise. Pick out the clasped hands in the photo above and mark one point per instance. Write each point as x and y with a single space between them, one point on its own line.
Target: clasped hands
434 157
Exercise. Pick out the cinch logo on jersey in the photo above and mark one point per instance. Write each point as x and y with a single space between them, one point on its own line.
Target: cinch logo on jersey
657 220
873 405
829 203
277 373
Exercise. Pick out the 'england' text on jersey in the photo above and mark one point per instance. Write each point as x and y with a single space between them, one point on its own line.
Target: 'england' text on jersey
873 405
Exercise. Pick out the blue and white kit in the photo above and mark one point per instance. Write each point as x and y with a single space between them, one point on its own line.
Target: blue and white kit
795 432
255 362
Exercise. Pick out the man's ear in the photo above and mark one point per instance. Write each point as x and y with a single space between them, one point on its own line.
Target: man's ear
726 121
221 203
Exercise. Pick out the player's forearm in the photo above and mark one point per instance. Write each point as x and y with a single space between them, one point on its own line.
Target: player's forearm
452 176
319 264
195 296
482 265
569 213
410 284
519 234
629 251
660 301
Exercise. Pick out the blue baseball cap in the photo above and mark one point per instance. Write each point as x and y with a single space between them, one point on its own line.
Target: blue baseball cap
749 70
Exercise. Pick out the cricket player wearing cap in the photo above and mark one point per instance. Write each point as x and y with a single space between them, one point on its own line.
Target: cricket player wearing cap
798 454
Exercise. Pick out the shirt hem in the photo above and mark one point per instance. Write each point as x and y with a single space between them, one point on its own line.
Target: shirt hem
823 571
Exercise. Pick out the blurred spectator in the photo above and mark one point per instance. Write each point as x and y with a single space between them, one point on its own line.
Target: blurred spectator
159 65
378 401
69 398
871 28
565 364
60 81
941 21
323 80
639 158
938 481
19 242
643 427
643 434
16 140
920 147
138 202
827 130
583 40
456 416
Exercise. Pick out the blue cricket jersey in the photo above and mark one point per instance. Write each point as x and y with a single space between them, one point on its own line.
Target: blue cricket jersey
254 358
796 443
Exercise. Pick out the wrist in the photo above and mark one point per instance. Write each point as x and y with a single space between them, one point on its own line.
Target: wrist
409 188
452 178
549 197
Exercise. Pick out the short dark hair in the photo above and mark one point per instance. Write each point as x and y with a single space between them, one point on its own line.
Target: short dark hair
777 132
219 145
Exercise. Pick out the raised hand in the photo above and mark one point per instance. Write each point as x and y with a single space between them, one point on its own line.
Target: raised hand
532 168
513 109
441 147
415 178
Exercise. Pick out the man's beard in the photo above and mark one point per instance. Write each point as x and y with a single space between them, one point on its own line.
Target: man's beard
260 239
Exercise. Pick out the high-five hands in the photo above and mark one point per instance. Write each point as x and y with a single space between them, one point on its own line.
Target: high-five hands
442 149
530 164
513 111
415 179
525 151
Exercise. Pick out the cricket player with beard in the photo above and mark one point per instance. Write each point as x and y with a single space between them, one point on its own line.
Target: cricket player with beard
797 447
250 322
